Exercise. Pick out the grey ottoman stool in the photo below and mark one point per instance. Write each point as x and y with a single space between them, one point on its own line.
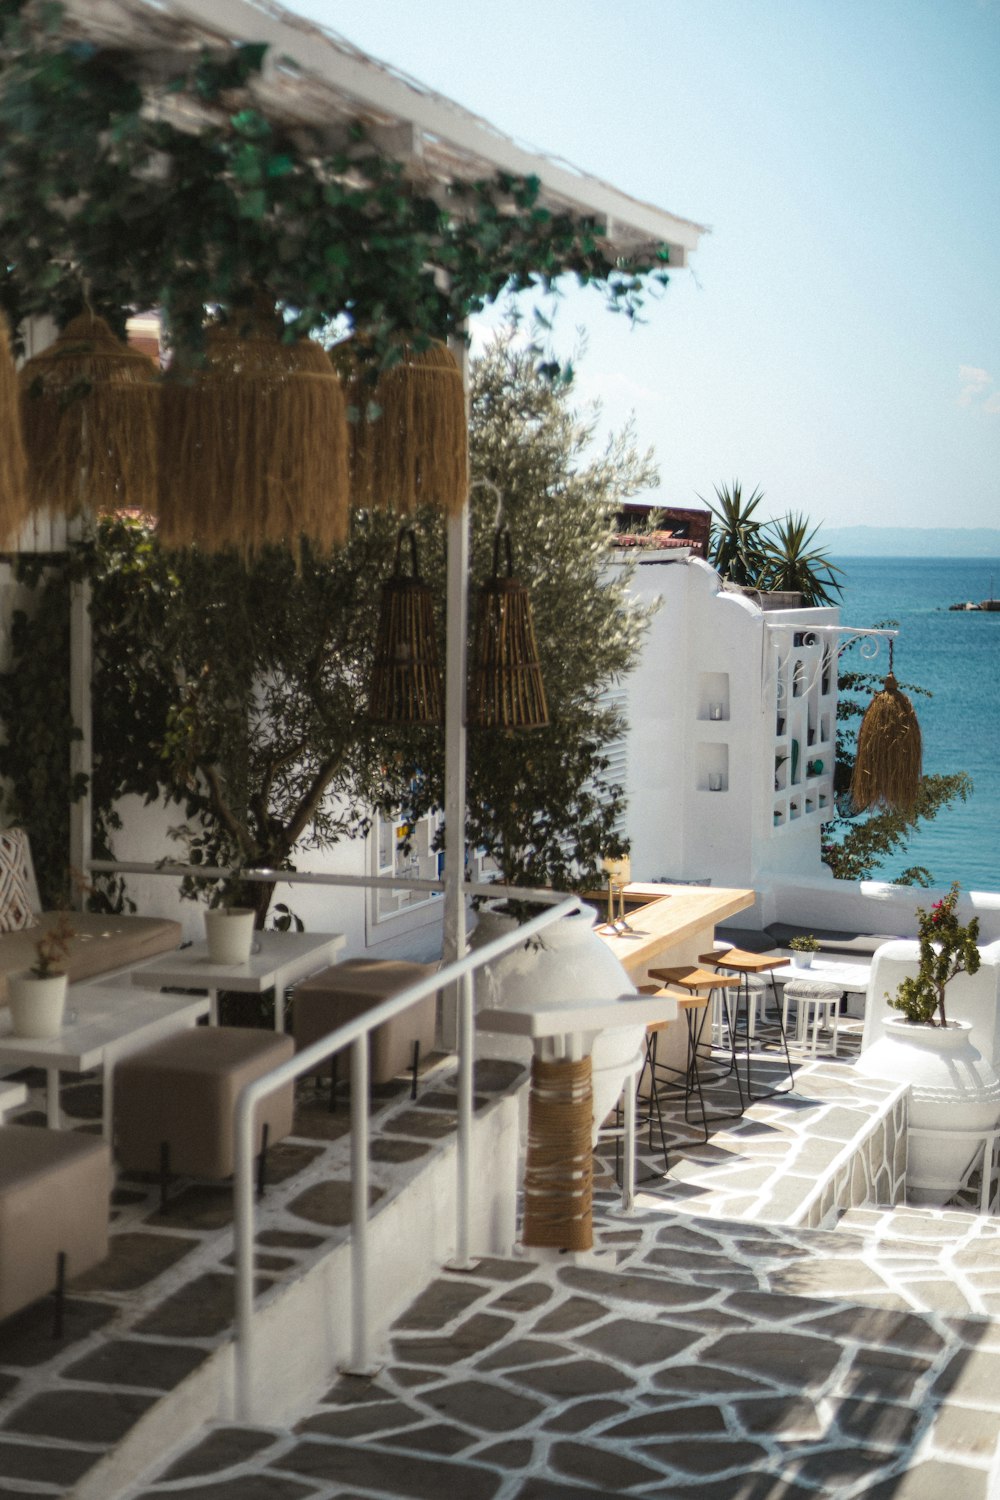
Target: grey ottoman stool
354 987
55 1187
174 1100
812 998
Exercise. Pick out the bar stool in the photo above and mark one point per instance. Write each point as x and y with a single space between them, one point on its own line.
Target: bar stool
698 987
745 964
810 994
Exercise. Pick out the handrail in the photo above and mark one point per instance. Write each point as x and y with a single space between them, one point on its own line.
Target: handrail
354 1033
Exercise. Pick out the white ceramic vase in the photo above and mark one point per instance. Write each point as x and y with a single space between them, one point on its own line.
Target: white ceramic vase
562 965
229 932
37 1006
953 1090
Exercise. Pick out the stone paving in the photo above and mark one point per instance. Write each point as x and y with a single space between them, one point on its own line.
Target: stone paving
722 1347
693 1364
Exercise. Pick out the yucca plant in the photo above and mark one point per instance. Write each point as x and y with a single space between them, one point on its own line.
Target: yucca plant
793 562
737 546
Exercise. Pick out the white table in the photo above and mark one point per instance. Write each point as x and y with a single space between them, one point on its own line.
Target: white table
103 1023
568 1033
278 960
850 978
845 977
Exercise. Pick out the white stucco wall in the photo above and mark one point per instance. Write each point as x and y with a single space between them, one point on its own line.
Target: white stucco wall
702 801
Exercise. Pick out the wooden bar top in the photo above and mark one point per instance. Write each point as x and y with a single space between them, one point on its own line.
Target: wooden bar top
673 914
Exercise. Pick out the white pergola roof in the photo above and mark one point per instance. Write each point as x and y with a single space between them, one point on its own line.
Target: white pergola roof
314 78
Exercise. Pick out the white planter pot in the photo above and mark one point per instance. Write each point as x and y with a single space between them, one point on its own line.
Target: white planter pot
229 931
564 964
953 1090
802 960
37 1006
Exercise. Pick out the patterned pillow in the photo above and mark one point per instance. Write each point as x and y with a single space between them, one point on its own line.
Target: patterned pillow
15 905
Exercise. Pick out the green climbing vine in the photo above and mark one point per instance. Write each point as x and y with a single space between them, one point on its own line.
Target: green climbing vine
100 192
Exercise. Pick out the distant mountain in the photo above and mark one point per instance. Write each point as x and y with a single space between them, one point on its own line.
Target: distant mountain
911 541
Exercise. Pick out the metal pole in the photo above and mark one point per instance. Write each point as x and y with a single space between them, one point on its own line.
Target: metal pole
243 1240
361 1360
81 750
453 945
466 1085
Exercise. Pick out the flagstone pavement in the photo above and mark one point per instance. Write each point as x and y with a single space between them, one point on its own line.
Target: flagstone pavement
705 1352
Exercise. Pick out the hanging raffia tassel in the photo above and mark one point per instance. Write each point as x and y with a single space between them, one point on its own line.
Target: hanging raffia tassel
14 508
506 690
888 763
406 679
88 409
409 431
253 446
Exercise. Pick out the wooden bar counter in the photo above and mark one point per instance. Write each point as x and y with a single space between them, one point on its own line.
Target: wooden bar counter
674 927
676 924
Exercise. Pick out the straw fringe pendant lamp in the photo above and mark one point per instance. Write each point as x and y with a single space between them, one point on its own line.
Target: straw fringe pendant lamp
14 508
506 689
414 451
406 679
889 760
253 446
88 411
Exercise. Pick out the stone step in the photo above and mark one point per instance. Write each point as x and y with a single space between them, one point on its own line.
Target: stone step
940 1261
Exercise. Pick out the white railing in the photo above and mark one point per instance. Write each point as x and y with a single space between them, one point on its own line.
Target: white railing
355 1034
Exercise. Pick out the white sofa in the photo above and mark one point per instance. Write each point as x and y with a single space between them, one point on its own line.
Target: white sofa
970 997
100 944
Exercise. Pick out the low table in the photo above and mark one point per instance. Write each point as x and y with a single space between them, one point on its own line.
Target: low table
104 1023
278 960
851 979
11 1095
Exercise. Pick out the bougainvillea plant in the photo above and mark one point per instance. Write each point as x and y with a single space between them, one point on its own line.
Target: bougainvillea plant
946 949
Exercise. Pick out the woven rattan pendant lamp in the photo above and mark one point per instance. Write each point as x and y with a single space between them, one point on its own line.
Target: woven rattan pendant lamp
408 430
506 690
253 445
14 509
406 678
88 412
888 763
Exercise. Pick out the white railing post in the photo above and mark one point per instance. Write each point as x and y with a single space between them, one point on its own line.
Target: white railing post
243 1244
361 1359
466 1106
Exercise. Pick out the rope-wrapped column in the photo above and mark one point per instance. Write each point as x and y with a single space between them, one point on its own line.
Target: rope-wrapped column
559 1168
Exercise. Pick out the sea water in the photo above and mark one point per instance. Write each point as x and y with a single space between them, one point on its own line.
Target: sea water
956 656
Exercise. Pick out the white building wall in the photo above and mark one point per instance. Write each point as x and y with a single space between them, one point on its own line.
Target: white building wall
718 678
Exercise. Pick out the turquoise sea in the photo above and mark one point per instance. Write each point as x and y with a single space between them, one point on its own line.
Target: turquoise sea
957 657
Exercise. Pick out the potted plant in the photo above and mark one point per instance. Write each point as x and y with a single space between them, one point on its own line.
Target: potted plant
229 926
954 1090
804 945
38 996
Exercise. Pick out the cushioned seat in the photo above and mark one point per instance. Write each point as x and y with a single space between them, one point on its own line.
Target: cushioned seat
860 944
180 1093
54 1192
353 988
100 943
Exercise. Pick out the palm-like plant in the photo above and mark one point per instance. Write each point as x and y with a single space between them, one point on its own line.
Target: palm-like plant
737 547
794 562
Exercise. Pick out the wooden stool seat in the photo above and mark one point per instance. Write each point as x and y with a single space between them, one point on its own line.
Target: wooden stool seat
688 977
743 961
746 968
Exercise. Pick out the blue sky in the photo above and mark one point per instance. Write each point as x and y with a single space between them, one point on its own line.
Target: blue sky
838 343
